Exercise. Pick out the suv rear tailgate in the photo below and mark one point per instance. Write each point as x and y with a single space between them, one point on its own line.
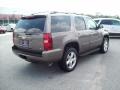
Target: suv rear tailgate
29 33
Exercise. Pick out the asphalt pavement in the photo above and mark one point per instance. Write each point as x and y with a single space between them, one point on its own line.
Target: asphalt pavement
94 72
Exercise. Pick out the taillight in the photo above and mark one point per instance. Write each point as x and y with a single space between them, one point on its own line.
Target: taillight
47 41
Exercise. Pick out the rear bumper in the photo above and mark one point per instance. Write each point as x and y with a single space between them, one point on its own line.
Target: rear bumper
52 55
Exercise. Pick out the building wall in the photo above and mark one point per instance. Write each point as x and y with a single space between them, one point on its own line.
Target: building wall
9 18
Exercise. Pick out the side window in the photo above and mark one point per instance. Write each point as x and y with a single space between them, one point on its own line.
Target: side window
90 24
106 22
97 21
79 23
115 22
60 23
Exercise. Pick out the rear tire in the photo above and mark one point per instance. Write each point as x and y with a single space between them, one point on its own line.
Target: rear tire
69 60
105 45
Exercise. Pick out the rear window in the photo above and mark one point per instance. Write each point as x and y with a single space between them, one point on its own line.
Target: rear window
31 24
60 23
106 22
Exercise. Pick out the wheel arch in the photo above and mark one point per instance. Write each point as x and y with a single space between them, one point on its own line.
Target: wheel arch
106 36
74 44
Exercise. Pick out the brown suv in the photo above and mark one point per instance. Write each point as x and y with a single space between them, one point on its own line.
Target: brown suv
58 37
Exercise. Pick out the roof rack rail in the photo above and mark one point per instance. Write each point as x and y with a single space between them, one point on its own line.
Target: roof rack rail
54 12
58 12
64 12
39 13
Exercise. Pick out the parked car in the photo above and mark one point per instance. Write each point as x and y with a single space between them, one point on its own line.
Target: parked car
58 37
2 29
111 24
10 27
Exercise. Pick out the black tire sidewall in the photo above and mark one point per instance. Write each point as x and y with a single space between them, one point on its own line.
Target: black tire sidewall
64 59
102 47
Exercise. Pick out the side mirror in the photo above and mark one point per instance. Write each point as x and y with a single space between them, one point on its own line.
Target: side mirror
99 26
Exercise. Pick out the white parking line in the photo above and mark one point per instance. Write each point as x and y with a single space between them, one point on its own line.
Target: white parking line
8 33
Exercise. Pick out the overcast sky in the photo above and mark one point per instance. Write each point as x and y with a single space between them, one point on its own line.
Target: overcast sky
106 7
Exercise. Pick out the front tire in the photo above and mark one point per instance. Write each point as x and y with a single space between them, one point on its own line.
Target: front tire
105 45
69 60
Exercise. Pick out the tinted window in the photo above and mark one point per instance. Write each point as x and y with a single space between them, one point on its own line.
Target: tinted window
115 22
60 23
106 22
79 23
31 24
90 23
97 21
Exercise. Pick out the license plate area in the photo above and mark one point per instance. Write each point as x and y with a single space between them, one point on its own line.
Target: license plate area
24 43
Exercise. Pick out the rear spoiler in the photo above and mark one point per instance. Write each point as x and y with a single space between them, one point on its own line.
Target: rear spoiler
33 17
